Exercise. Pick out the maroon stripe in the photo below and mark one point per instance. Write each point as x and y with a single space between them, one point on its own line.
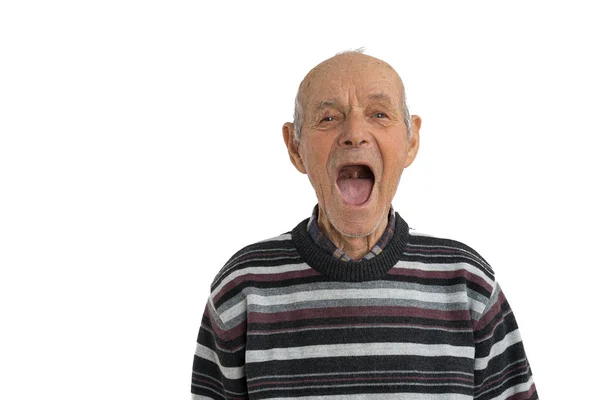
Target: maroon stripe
492 312
377 311
263 278
228 334
461 273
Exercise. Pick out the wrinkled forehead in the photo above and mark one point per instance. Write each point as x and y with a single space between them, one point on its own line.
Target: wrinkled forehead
351 79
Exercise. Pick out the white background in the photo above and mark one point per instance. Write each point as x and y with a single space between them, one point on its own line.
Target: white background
141 147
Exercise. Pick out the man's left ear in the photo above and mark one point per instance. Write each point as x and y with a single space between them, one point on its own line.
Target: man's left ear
413 143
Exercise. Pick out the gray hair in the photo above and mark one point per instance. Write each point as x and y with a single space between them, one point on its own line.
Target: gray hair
299 109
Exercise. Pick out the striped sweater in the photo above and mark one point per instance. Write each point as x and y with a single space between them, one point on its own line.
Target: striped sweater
424 319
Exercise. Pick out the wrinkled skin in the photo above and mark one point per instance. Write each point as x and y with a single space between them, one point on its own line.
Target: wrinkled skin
353 115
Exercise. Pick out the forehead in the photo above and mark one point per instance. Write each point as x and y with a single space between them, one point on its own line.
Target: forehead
352 79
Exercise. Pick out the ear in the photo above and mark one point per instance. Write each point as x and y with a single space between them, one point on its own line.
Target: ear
413 143
292 145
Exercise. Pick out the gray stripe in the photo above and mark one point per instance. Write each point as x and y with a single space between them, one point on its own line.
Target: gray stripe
359 349
330 286
307 305
228 372
253 300
368 285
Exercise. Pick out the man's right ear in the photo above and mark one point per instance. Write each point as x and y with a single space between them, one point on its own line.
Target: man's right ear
292 146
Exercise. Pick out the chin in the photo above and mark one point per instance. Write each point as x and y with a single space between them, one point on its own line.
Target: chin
354 223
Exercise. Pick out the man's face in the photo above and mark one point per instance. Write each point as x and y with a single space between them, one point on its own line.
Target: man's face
354 143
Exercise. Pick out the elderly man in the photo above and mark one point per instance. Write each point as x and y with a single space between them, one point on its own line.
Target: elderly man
351 304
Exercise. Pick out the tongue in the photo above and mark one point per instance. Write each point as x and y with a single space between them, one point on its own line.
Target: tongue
355 191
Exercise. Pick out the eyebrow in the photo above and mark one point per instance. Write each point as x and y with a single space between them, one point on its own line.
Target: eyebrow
380 97
325 104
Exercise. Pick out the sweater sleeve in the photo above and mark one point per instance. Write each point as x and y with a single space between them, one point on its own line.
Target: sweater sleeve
501 367
218 369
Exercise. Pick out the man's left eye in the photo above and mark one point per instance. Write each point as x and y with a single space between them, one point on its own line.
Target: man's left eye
380 115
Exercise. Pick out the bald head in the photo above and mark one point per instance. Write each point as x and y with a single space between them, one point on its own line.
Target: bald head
331 72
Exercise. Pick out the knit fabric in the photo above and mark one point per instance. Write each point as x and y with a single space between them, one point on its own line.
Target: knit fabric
424 319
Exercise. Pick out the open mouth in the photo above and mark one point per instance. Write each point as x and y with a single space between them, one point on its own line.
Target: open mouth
355 183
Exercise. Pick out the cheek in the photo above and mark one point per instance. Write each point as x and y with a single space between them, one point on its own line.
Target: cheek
315 163
394 157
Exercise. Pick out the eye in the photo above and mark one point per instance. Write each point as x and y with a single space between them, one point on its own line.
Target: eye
380 115
328 118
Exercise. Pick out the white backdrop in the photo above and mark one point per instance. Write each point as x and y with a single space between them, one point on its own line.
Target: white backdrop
140 147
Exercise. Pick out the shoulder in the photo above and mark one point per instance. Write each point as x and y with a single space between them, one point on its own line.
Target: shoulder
267 256
443 257
440 259
428 248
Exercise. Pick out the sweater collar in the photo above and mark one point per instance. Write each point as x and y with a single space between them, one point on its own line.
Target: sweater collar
321 239
351 271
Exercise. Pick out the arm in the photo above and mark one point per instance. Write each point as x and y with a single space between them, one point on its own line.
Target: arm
219 370
501 367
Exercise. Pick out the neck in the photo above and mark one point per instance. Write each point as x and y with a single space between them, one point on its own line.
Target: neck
354 247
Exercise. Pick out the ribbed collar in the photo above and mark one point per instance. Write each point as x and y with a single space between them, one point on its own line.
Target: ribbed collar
351 271
321 239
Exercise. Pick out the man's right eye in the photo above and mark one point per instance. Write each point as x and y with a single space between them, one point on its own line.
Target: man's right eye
328 119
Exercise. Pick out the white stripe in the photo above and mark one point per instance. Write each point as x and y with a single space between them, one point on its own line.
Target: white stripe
520 388
228 372
498 348
444 268
347 294
200 397
261 270
386 396
359 349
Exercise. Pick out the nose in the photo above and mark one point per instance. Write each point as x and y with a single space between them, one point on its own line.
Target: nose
354 132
